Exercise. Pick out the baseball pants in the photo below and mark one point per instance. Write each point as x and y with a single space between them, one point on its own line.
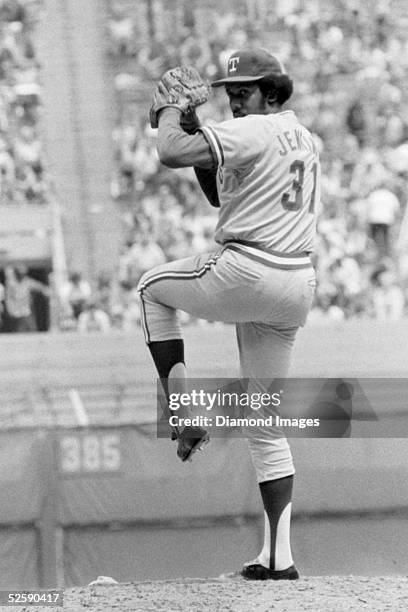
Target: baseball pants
266 294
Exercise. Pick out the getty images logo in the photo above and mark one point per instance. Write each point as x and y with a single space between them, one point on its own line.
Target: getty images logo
232 64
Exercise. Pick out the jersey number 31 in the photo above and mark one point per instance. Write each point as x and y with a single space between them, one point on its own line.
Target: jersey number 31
294 200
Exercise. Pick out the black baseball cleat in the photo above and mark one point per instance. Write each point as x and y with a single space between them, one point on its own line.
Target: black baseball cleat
191 440
256 571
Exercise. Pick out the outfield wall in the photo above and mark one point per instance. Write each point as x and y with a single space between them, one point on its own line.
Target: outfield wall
157 518
355 348
77 503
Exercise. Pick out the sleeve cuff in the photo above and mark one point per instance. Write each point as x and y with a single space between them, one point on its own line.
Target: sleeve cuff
215 144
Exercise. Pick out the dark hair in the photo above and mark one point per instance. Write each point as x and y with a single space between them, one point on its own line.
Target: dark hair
279 85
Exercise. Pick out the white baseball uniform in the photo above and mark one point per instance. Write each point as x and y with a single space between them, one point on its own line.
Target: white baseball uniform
261 277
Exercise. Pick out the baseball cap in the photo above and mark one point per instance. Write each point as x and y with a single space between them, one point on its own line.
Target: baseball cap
249 65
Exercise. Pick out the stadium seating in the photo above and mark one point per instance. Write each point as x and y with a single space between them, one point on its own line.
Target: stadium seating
23 176
350 73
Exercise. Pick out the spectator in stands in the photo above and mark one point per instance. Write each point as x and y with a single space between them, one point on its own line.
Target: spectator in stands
121 31
143 254
10 50
7 172
382 210
93 319
125 139
390 125
347 277
28 91
29 188
12 11
76 293
19 291
388 297
104 292
27 149
131 308
357 122
370 172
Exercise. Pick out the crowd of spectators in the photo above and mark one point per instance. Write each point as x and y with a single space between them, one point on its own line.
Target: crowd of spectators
22 177
24 301
113 304
349 62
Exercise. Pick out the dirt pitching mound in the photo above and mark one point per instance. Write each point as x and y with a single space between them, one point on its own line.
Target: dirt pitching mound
325 594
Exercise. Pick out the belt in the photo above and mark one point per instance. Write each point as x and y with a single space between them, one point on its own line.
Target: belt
274 259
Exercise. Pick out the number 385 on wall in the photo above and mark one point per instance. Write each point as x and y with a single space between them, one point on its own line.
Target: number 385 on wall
85 453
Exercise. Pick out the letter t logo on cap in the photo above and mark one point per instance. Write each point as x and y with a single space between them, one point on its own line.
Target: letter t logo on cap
233 62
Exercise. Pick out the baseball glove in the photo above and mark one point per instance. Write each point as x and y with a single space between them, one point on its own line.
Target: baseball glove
181 88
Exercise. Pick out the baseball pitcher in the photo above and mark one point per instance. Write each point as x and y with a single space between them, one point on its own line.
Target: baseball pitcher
261 169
